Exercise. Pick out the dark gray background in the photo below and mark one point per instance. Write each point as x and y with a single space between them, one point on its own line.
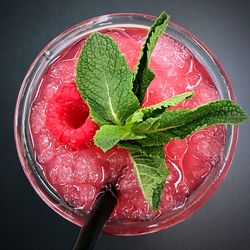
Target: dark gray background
26 27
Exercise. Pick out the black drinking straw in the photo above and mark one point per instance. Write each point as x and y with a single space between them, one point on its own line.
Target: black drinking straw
97 219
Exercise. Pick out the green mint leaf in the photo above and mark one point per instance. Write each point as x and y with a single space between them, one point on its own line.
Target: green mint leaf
105 81
143 75
155 110
151 171
180 123
109 135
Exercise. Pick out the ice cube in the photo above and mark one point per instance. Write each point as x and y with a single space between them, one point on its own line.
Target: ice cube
38 117
175 149
65 156
204 93
160 89
60 174
132 205
127 180
50 88
87 167
88 195
46 155
139 35
195 169
60 168
43 141
172 199
117 160
128 46
163 87
79 196
171 56
63 70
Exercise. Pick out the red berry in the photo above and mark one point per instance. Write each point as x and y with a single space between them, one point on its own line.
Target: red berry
67 117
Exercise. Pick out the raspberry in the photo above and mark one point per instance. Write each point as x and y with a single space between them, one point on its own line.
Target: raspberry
67 118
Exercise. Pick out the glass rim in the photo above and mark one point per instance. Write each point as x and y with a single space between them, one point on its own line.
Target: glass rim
67 212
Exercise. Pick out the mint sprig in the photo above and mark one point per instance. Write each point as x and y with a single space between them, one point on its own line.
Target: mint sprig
105 81
150 170
143 74
217 112
164 126
112 91
130 131
180 123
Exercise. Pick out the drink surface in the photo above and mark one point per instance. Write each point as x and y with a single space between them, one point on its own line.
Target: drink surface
78 174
